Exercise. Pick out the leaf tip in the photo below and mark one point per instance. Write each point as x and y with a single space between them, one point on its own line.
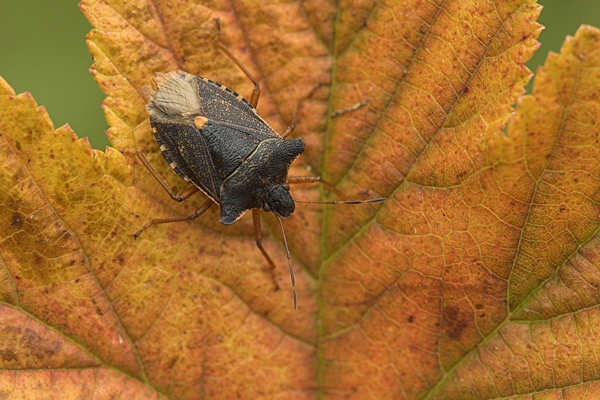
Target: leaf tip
5 88
84 7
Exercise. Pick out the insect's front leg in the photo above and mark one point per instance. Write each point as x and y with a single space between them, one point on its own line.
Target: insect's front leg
177 197
317 179
258 238
292 180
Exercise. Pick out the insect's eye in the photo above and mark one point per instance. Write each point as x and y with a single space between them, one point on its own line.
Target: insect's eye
286 187
266 207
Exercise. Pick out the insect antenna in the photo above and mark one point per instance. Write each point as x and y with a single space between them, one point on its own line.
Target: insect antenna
287 251
378 200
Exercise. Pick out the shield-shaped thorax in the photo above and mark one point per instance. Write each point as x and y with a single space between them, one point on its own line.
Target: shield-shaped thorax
228 147
204 129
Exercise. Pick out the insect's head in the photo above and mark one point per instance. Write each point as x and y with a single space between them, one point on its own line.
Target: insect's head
279 200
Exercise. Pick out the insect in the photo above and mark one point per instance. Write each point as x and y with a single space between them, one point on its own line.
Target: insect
214 139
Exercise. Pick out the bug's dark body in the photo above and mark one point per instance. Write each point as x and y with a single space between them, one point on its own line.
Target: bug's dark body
213 138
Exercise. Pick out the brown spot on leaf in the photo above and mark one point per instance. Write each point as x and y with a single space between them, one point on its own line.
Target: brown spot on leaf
8 355
17 221
454 322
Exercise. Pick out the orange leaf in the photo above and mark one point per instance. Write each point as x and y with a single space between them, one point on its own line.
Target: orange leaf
477 278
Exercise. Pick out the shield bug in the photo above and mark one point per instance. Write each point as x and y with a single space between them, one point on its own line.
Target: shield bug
214 139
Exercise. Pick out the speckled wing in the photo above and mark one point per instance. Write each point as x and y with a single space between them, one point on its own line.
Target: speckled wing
182 96
204 129
230 109
187 153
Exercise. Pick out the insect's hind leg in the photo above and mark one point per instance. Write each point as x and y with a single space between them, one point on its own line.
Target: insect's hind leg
177 197
157 221
224 49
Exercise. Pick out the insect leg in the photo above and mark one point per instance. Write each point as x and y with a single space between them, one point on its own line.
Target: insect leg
312 179
258 237
349 109
287 253
377 200
291 180
292 126
177 197
224 49
157 221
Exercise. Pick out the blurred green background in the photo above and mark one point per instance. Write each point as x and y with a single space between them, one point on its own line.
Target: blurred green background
42 50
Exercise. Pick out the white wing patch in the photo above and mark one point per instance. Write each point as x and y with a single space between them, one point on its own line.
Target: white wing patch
176 94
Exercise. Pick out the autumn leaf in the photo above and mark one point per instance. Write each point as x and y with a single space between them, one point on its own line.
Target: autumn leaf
477 278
